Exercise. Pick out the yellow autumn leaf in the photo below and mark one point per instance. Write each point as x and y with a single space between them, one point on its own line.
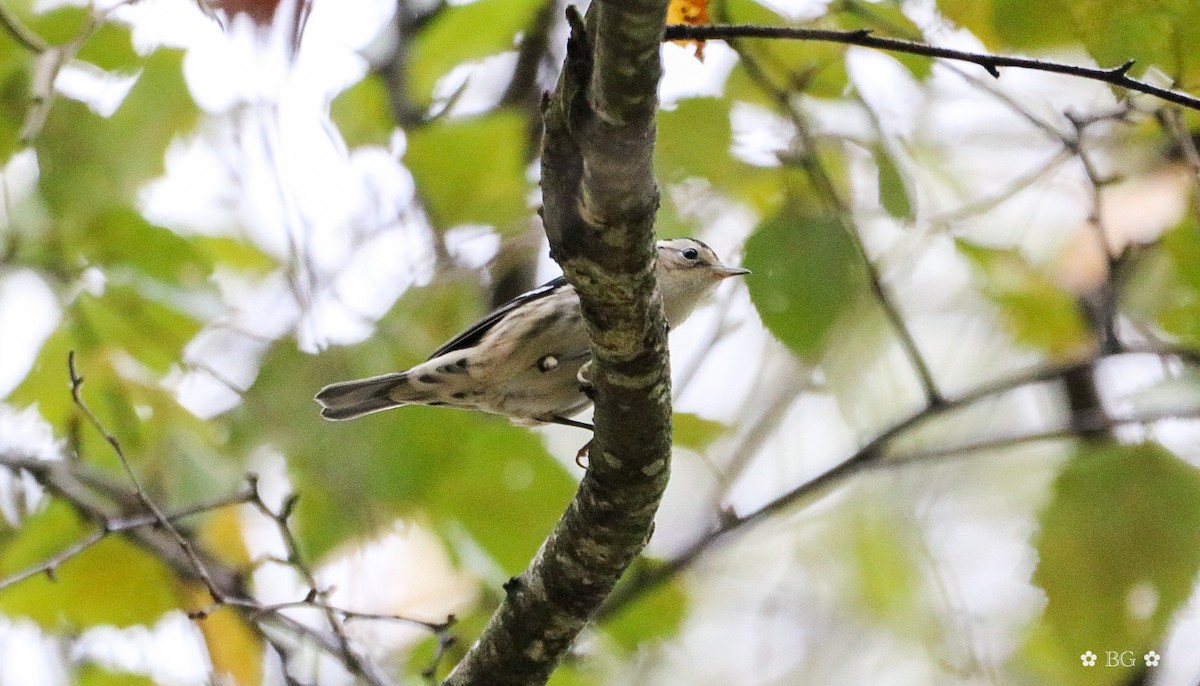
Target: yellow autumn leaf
234 647
690 13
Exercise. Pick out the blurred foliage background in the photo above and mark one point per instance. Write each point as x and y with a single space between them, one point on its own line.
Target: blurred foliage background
218 220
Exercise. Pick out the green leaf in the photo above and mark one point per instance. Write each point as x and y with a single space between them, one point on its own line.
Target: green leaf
459 33
48 386
1164 33
472 171
694 141
807 272
695 432
90 164
1037 311
885 18
974 15
234 253
654 616
500 485
151 332
466 471
113 582
1167 286
15 65
810 67
893 194
813 67
140 412
1118 552
121 238
1032 24
93 675
109 46
58 26
362 113
887 581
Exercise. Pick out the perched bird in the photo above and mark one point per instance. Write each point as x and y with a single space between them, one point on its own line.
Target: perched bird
523 359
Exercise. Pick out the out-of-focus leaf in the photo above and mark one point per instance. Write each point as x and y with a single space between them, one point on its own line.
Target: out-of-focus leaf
694 142
694 139
465 32
15 65
573 673
807 271
893 194
90 164
113 582
975 16
234 253
362 114
501 485
1118 553
1167 284
222 535
695 432
150 332
1038 312
122 238
472 171
887 579
462 469
813 67
110 47
236 651
654 616
59 25
1152 32
886 19
48 386
93 675
1031 24
145 417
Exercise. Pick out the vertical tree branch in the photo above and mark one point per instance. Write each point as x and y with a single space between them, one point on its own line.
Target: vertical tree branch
600 198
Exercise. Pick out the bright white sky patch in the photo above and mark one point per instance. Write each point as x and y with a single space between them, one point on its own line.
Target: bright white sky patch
29 313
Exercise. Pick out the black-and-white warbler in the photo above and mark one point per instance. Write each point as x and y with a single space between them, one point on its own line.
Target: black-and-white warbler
522 360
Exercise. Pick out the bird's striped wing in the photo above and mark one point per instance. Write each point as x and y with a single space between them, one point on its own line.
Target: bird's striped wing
479 329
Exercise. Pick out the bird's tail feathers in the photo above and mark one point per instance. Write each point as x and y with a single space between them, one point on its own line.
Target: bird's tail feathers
350 399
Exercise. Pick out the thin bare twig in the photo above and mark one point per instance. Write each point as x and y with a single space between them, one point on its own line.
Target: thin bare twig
295 559
1173 122
1117 76
873 453
341 644
99 499
111 526
50 566
114 507
1091 422
808 160
21 33
76 384
982 205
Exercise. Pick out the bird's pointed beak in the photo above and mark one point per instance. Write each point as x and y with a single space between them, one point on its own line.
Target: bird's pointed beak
726 272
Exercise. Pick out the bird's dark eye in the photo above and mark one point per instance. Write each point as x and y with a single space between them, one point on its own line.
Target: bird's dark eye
691 254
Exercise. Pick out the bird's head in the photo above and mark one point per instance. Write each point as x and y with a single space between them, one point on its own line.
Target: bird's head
688 270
